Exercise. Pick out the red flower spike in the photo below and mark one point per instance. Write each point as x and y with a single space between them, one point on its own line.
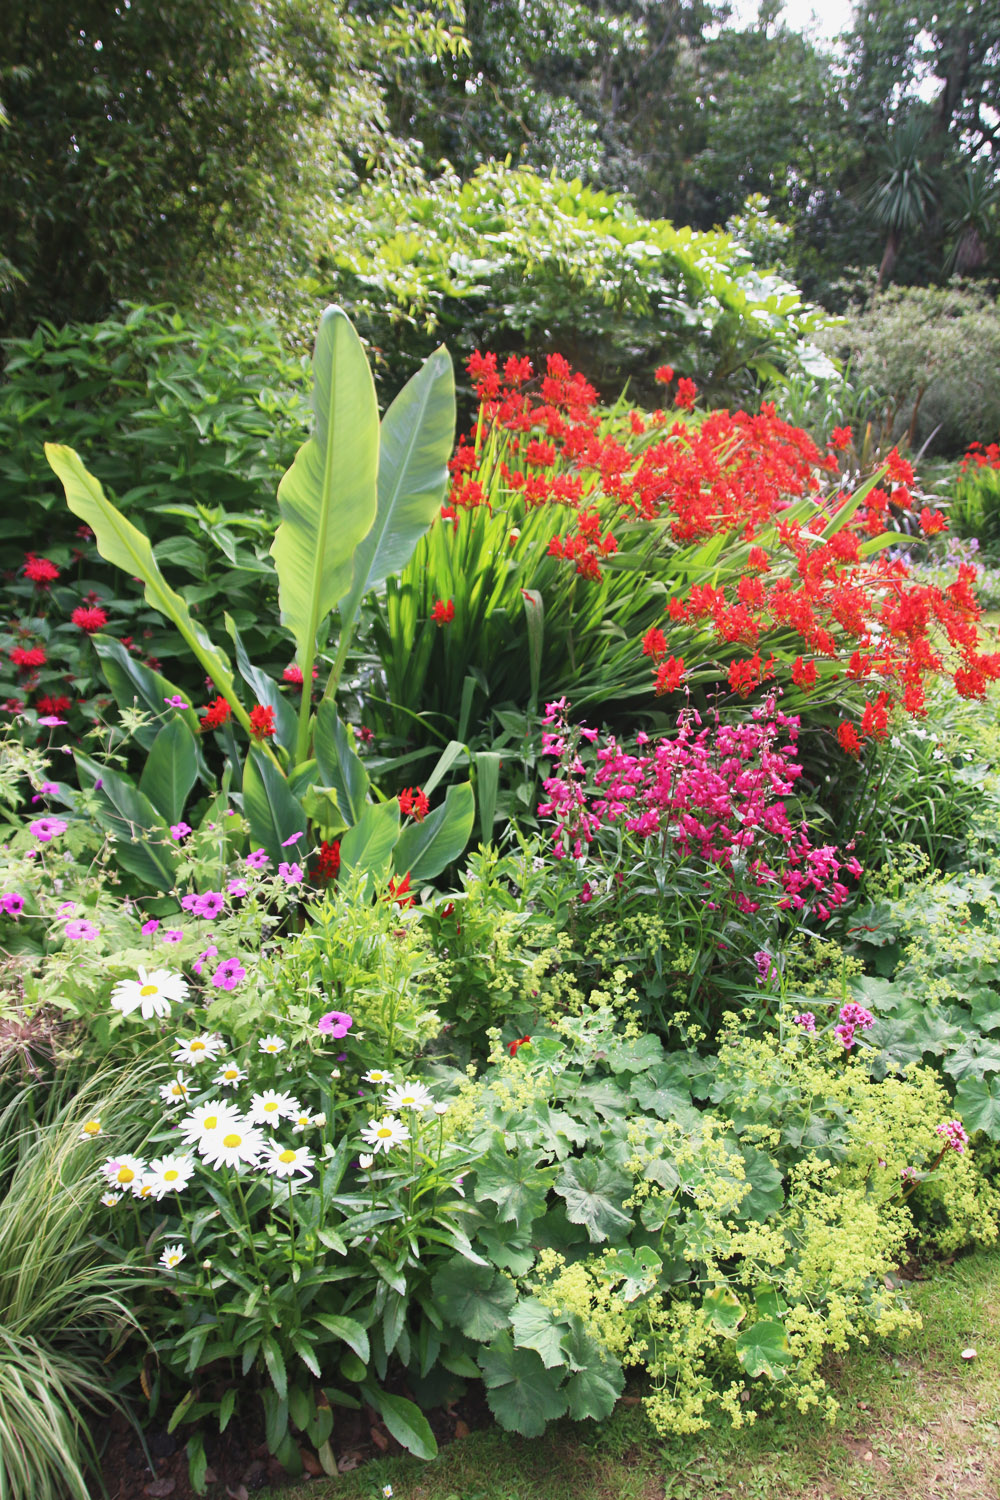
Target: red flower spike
328 860
413 803
216 714
442 613
513 1047
262 725
664 375
40 570
847 738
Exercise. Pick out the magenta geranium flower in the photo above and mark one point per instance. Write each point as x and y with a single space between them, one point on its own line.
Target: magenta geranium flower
208 905
46 829
180 831
229 974
82 930
290 874
258 860
335 1023
12 903
210 952
148 928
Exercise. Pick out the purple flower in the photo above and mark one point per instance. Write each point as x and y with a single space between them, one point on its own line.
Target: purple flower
954 1134
66 910
148 928
49 721
12 903
190 901
180 830
853 1014
176 702
336 1023
258 860
83 930
46 829
209 904
173 935
47 789
236 888
290 874
210 952
228 975
806 1020
763 961
846 1033
286 843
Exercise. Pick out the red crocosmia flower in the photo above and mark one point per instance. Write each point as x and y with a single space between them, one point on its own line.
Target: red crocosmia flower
522 1041
847 738
669 676
664 375
216 714
932 521
399 891
28 657
262 722
328 861
841 437
89 618
292 673
804 674
60 704
40 570
442 613
654 643
687 393
757 561
413 803
900 472
517 371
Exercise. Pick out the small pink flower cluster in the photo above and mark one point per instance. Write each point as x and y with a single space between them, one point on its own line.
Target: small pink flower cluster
713 793
853 1017
954 1134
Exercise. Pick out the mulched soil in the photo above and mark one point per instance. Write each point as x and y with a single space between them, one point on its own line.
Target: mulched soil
239 1463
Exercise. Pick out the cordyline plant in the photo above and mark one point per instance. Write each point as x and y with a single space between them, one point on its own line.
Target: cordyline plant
353 506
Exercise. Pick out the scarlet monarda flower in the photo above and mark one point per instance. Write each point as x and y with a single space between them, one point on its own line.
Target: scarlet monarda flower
40 570
89 617
28 657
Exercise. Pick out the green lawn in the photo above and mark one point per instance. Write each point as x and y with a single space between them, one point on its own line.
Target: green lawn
917 1422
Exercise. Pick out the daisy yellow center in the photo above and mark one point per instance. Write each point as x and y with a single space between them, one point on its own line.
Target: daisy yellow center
171 1175
92 1127
408 1099
271 1047
232 1072
303 1120
232 1140
125 1174
287 1156
150 989
384 1134
145 1191
270 1107
210 1122
178 1088
196 1047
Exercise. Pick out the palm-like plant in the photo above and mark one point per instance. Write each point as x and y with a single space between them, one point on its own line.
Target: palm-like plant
973 218
904 195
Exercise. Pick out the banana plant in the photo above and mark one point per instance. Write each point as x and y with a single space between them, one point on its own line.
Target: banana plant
358 497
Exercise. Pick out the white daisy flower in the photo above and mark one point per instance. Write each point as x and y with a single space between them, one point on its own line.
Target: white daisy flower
383 1134
270 1107
198 1048
302 1121
207 1120
408 1096
152 993
441 1108
122 1171
142 1187
172 1256
364 1162
230 1076
378 1076
176 1091
319 1120
271 1044
110 1199
286 1161
169 1174
238 1143
91 1129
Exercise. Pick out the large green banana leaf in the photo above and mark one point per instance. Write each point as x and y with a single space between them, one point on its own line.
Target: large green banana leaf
415 443
328 498
123 544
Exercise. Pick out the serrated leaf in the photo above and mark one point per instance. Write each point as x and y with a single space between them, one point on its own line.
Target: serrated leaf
515 1184
538 1327
636 1269
724 1309
593 1193
474 1298
351 1332
597 1379
763 1349
977 1103
522 1394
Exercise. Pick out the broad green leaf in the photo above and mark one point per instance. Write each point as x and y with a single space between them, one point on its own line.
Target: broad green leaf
346 1329
767 1185
534 618
487 764
474 1298
142 838
171 770
725 1310
975 1058
515 1184
424 849
327 500
416 437
538 1327
121 543
451 752
522 1394
273 813
369 844
265 690
977 1103
340 765
763 1349
594 1193
405 1421
598 1379
636 1269
134 683
275 1362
